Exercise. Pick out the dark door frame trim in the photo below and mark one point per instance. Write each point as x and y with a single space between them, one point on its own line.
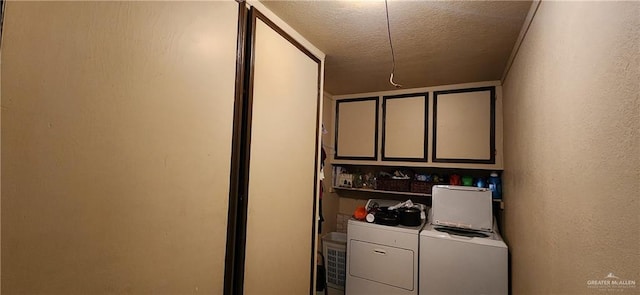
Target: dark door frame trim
235 214
2 7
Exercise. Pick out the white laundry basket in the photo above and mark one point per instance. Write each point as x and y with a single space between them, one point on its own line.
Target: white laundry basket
334 249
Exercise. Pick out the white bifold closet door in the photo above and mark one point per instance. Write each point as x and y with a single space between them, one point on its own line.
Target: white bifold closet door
280 244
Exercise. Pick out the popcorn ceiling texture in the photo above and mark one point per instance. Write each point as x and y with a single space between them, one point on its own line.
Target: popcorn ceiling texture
572 149
436 42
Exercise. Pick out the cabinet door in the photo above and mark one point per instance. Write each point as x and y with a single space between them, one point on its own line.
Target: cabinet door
283 163
404 127
357 129
464 126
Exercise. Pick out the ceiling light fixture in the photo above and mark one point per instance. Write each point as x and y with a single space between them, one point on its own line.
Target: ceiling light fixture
393 56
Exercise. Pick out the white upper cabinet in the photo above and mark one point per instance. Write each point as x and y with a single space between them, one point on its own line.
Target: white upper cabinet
450 126
404 131
464 125
357 129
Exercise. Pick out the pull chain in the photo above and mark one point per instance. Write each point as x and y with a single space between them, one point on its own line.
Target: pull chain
393 56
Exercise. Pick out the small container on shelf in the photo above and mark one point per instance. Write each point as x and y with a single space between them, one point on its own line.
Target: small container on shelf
368 181
467 180
357 180
495 185
345 180
481 183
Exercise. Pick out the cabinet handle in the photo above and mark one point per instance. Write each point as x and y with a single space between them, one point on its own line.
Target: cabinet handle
380 251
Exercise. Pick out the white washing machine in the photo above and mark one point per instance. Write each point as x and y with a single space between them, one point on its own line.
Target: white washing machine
456 264
382 259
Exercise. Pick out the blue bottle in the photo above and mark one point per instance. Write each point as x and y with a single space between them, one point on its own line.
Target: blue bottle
481 183
495 185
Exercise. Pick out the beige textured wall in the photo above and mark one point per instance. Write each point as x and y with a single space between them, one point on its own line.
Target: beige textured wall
348 205
116 128
572 149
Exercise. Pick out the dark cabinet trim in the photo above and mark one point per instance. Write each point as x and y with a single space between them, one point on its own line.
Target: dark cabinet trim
426 124
375 141
492 140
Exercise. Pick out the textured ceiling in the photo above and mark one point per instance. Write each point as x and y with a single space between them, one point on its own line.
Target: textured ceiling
435 42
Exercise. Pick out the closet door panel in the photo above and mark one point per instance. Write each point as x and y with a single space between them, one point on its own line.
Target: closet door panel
116 138
282 171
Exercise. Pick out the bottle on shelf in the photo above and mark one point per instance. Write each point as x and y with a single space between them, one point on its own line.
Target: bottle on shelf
481 183
495 185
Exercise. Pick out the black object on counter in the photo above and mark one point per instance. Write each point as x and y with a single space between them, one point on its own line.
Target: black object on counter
409 216
385 216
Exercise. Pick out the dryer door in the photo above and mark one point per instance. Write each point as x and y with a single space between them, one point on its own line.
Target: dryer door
383 264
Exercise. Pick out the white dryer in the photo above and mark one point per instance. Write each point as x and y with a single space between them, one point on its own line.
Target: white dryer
464 262
382 259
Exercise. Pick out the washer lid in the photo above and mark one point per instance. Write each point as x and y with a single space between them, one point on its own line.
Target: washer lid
494 239
462 232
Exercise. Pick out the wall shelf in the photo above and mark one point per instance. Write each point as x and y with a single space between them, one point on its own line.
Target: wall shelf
495 201
381 191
